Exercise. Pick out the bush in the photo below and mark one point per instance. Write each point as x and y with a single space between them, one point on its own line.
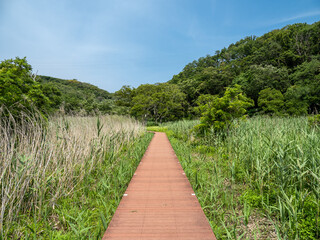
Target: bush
218 113
19 89
271 101
314 120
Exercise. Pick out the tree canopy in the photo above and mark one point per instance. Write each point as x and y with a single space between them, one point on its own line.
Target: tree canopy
158 102
217 113
75 97
286 60
279 71
19 89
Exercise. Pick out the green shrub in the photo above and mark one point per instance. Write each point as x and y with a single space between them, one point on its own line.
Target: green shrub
308 220
218 113
19 89
253 198
314 120
271 101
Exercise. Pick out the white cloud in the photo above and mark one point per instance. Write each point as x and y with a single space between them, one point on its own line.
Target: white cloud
76 39
296 17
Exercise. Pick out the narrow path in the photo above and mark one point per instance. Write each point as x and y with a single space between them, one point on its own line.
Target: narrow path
159 202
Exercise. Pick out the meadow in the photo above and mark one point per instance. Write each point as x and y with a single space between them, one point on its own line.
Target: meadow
257 180
63 178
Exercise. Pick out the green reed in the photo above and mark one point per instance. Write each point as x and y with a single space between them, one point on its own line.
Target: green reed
52 174
267 163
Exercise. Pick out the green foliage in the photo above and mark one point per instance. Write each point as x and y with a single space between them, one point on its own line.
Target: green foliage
157 129
314 120
218 113
308 219
205 102
66 180
72 96
253 198
271 101
278 60
19 89
267 167
260 77
296 100
124 96
159 102
307 75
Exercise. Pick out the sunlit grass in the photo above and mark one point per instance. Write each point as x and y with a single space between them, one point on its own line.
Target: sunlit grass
267 164
46 168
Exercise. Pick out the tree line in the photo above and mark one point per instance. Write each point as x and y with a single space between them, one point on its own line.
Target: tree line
23 91
279 72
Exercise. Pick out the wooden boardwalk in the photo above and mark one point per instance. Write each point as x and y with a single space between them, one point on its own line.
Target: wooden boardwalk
159 202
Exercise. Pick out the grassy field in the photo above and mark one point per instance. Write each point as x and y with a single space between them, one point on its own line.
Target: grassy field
259 180
64 179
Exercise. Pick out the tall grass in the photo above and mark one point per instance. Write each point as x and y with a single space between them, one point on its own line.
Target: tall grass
271 164
279 158
42 162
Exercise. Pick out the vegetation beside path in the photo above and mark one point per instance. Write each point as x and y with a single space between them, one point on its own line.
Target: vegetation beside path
64 178
257 180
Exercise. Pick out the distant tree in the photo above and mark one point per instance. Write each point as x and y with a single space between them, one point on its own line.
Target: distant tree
271 101
257 63
296 100
19 89
308 75
54 95
218 113
204 102
259 77
105 106
158 102
124 96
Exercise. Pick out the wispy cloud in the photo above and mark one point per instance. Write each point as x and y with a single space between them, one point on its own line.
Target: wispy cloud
296 17
111 43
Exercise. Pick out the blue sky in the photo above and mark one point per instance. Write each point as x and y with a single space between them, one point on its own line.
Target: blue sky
111 43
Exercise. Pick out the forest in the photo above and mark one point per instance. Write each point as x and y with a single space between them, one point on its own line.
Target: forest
244 123
279 71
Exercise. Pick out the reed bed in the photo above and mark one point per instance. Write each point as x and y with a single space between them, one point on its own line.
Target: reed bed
44 161
267 163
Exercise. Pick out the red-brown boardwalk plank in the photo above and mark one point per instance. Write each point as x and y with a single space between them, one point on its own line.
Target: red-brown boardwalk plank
159 202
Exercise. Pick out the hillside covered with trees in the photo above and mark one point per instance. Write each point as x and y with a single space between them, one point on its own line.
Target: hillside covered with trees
21 90
73 96
279 71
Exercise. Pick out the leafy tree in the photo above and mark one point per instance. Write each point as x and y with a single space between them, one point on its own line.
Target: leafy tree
260 77
19 89
124 96
76 97
218 113
204 102
296 100
271 101
54 94
159 102
105 106
307 75
278 60
123 99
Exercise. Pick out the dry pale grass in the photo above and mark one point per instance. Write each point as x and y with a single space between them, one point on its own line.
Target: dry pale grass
43 161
